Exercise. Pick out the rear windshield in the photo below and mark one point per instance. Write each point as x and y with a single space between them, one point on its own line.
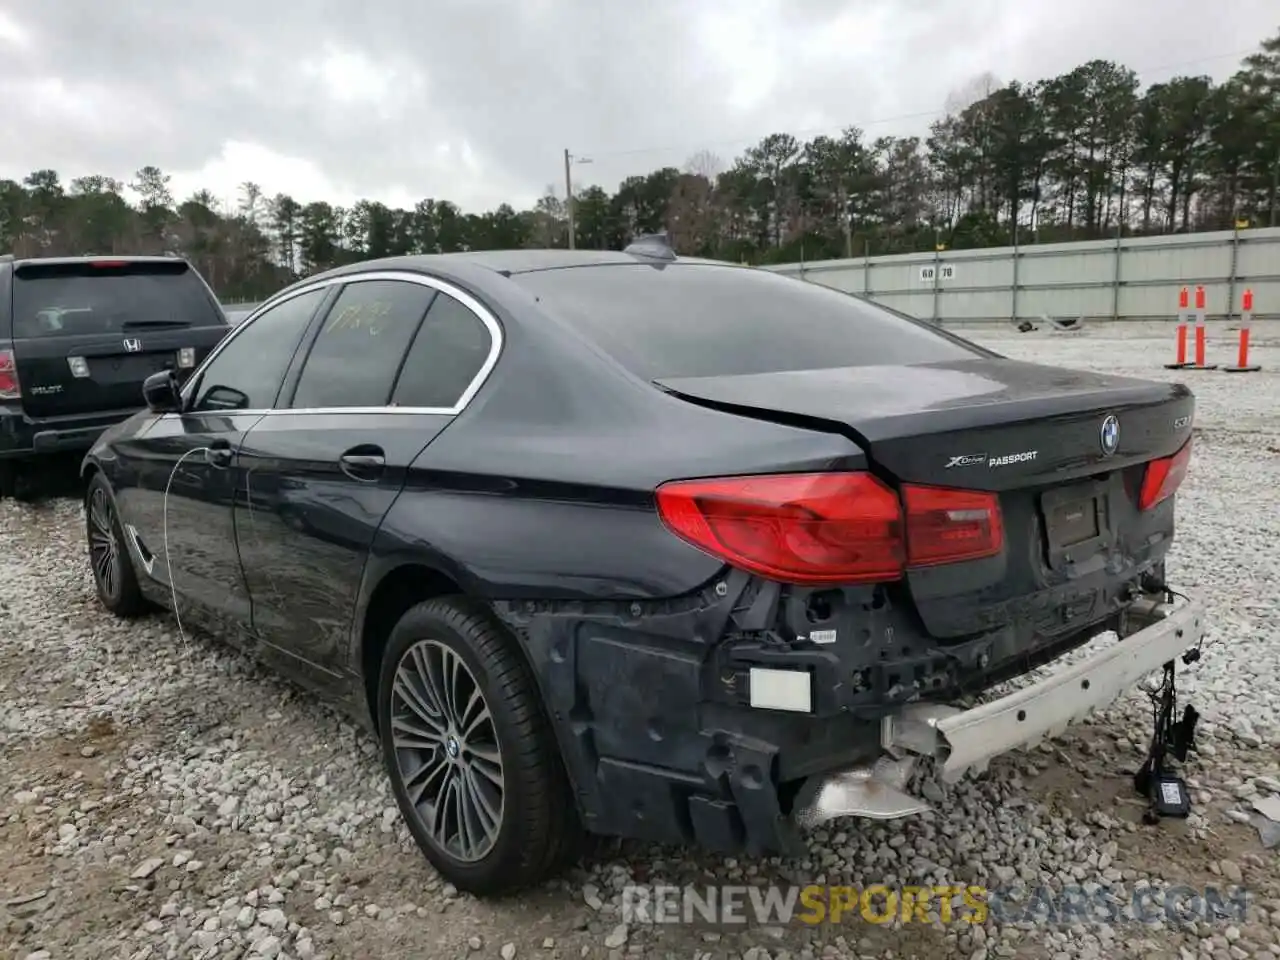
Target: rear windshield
696 320
107 297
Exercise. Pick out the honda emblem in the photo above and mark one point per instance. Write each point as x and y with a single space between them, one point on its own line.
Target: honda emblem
132 345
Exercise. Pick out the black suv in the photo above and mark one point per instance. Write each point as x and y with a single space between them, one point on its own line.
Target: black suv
78 336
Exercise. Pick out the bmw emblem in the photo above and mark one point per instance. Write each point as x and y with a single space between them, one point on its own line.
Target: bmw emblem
1110 435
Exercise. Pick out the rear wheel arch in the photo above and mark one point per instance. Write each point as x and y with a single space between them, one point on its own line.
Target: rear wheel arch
398 591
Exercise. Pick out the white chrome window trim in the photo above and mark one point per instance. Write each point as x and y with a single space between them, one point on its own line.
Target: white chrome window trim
478 309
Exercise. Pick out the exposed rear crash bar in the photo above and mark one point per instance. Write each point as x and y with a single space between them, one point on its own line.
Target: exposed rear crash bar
1153 633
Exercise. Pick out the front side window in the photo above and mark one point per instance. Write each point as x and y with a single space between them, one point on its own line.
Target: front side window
247 373
359 351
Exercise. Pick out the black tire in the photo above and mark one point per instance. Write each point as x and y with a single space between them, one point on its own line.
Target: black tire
109 558
538 829
25 489
21 480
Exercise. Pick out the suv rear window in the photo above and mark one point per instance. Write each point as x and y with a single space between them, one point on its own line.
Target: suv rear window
108 297
699 320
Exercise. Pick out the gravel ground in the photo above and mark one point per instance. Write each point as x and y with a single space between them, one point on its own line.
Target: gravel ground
161 799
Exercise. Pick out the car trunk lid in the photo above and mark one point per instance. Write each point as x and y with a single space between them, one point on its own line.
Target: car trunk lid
1065 451
982 424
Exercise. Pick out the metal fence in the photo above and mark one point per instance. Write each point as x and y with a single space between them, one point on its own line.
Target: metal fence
1121 279
238 311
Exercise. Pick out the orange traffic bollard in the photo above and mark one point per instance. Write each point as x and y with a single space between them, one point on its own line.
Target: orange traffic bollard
1183 304
1201 337
1242 356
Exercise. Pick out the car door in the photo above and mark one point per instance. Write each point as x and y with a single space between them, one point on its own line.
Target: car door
178 509
322 471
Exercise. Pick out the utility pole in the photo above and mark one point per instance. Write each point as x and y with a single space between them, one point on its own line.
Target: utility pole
568 194
569 160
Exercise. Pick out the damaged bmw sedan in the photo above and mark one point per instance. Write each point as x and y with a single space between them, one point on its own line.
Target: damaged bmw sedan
637 545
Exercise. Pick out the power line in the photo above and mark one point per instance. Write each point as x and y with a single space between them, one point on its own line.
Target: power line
900 118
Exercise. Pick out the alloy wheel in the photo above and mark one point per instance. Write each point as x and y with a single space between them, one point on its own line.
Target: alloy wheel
446 750
104 549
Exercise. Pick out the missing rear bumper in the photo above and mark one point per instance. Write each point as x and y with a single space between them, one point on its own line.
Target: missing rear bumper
959 741
1152 634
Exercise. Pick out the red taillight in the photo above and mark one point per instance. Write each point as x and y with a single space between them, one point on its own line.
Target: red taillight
1163 477
798 528
946 526
9 387
830 527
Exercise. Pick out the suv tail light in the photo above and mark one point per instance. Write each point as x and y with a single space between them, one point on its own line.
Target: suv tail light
1163 477
820 528
10 389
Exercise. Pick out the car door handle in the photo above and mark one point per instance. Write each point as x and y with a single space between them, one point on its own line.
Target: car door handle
363 460
363 463
218 453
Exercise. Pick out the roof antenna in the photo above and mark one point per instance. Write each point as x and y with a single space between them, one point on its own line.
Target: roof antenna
653 246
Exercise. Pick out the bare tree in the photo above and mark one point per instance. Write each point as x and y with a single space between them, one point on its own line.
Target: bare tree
252 207
973 90
704 163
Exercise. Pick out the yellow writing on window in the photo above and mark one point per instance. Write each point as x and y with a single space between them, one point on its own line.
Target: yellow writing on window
370 317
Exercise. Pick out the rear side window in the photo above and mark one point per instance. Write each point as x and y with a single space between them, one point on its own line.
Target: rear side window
696 320
446 355
359 351
108 297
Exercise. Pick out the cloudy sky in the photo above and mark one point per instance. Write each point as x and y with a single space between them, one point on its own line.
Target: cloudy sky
475 100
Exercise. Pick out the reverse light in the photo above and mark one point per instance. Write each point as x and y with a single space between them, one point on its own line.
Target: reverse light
10 389
186 358
1163 477
79 367
821 528
947 526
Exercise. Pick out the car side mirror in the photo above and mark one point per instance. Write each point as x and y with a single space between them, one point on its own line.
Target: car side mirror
161 392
